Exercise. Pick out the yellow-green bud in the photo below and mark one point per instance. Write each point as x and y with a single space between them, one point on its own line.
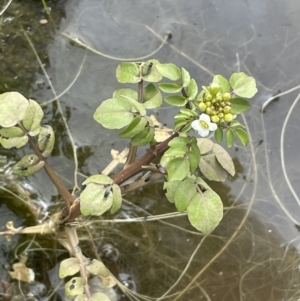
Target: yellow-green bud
214 112
208 111
226 96
213 100
228 117
215 118
222 104
208 104
202 106
214 88
227 109
208 97
219 97
220 115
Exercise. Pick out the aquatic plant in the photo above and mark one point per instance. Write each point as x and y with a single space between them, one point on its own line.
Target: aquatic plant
181 160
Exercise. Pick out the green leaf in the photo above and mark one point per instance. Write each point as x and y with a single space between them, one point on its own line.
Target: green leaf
194 156
186 78
224 159
176 100
178 169
179 141
239 105
229 137
184 194
152 97
169 71
46 140
153 76
235 123
179 123
205 145
203 185
128 73
188 113
139 107
97 267
170 87
92 200
98 179
205 211
13 106
99 297
171 188
243 85
125 92
117 199
68 267
223 83
176 151
219 134
144 137
243 136
114 113
136 126
14 142
34 115
192 90
75 286
12 132
212 169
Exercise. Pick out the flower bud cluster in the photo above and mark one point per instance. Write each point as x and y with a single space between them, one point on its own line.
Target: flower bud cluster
216 104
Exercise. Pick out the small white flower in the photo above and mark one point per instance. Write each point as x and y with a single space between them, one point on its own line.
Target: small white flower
203 125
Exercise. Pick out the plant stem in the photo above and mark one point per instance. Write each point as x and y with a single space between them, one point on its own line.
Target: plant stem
123 175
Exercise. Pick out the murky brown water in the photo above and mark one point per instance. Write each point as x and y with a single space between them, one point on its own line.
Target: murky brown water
253 254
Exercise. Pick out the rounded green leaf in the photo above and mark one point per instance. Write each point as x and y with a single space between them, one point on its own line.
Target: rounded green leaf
152 75
13 106
239 105
97 267
98 179
12 132
46 140
117 199
139 107
144 137
205 211
33 117
152 97
192 90
243 85
223 83
169 71
229 137
68 267
176 151
179 141
219 134
212 169
176 100
75 286
92 200
243 136
178 169
28 165
14 142
125 92
186 78
114 113
128 73
171 188
136 126
194 156
184 194
170 87
224 159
